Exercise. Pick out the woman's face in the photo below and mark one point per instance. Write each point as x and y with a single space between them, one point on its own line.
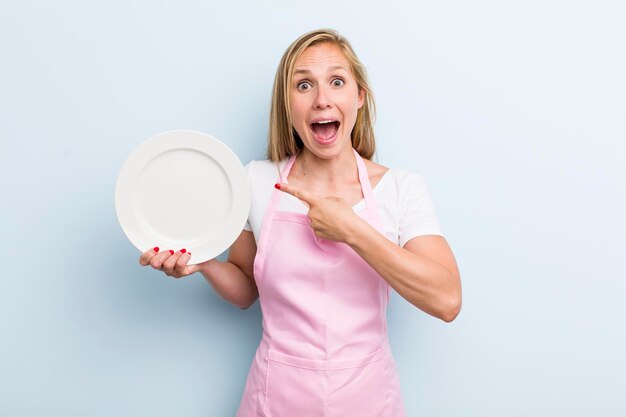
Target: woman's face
324 98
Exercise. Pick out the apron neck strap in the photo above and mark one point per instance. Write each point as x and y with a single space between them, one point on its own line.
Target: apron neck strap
287 168
366 186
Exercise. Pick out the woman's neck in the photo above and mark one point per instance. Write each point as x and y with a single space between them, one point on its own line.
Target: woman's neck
332 172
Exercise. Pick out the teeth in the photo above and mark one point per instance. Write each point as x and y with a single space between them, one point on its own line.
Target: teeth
325 121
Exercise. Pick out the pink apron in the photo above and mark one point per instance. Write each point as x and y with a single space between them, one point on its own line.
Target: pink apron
324 350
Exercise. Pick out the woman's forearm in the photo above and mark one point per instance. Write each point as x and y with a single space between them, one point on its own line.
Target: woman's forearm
426 284
230 282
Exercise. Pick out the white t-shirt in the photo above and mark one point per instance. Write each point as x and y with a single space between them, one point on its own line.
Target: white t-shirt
404 201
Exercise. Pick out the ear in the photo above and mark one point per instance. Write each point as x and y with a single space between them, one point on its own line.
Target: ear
361 100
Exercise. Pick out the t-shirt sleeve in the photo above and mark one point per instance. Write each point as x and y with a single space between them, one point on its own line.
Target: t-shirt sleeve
417 211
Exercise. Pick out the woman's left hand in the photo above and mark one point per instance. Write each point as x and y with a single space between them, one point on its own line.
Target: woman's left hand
332 218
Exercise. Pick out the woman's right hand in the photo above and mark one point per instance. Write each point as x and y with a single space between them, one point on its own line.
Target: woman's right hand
173 264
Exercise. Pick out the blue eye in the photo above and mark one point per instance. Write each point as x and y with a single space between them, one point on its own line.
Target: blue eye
303 85
338 82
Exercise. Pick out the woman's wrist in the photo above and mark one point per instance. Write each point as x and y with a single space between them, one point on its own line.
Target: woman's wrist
356 232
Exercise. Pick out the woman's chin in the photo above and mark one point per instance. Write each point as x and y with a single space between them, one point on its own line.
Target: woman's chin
328 149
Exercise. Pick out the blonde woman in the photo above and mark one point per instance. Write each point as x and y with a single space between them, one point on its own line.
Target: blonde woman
329 233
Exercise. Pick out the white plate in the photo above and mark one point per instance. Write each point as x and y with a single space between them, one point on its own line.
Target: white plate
183 189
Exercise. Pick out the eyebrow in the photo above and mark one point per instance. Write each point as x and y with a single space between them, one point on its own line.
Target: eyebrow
333 68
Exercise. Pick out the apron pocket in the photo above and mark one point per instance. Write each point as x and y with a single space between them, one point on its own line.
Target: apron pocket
301 387
360 391
292 391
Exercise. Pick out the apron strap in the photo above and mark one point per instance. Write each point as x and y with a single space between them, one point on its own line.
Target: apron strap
287 168
368 193
283 174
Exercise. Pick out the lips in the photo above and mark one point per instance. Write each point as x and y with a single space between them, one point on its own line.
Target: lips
325 130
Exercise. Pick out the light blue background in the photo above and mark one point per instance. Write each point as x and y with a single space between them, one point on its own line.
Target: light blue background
512 111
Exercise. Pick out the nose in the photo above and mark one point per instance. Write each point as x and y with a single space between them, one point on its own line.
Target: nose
322 99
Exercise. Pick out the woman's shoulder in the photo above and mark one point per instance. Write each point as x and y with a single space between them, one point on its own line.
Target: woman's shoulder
263 172
376 172
396 178
260 164
263 167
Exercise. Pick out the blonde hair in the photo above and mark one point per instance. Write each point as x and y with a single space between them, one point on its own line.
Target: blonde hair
283 140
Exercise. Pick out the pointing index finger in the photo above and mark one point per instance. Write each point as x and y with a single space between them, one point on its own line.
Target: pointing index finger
300 194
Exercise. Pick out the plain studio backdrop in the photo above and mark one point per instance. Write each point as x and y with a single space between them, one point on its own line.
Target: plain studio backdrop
512 111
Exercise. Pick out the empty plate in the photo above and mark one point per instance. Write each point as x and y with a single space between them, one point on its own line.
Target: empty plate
183 189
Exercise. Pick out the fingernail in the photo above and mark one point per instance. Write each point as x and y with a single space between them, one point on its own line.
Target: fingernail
156 249
183 250
277 186
189 253
171 252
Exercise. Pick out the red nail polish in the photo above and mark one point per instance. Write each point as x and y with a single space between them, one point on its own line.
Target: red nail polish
277 186
171 252
183 250
156 249
189 253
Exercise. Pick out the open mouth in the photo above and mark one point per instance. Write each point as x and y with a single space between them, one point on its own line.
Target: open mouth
325 131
